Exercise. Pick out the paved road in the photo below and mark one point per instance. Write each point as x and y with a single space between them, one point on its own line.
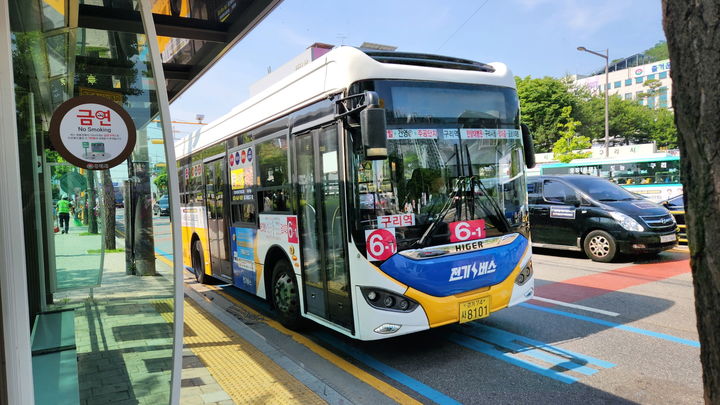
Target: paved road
621 332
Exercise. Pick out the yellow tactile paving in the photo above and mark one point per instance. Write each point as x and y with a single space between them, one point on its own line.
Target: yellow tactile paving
246 374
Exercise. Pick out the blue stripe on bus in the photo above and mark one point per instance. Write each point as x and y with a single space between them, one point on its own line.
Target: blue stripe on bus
390 372
633 329
539 350
493 351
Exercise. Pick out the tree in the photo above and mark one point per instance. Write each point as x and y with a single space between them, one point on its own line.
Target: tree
570 145
109 210
653 88
541 104
691 28
658 52
161 181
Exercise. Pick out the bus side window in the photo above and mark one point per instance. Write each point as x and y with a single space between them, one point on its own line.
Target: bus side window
273 189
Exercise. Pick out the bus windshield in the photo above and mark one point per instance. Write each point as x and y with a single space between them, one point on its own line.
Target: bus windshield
454 156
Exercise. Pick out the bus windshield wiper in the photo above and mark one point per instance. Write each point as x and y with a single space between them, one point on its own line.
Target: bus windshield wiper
460 183
499 217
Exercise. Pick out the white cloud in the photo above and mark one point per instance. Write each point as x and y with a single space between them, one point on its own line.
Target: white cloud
584 16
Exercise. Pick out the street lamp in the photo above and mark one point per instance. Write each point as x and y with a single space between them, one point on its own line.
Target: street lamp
607 87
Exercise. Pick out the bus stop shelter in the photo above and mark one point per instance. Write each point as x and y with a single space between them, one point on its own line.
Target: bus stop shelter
77 316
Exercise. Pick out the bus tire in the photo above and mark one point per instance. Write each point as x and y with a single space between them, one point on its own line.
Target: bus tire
600 246
198 263
285 295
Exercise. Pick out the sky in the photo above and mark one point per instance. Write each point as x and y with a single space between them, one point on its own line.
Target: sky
533 37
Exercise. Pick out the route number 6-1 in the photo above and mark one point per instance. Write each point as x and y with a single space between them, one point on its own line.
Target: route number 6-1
380 244
462 231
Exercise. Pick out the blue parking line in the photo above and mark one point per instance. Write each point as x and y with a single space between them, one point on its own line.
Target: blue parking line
492 351
390 372
582 358
547 354
687 342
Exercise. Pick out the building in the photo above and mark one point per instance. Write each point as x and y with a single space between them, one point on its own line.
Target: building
629 79
78 323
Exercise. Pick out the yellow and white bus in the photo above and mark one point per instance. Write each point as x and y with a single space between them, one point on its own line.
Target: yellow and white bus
377 193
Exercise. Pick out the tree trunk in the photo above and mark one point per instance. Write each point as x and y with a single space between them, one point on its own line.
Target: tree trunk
91 203
692 28
109 205
144 238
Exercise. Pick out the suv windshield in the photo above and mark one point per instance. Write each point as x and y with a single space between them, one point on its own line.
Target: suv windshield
454 155
602 190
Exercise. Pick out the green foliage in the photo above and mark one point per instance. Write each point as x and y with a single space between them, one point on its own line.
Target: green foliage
161 181
653 88
629 122
544 107
658 52
569 146
541 105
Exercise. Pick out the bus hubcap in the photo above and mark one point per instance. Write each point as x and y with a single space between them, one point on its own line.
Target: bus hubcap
285 293
599 246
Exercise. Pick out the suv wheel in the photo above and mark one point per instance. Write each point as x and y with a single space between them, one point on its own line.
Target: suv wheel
600 246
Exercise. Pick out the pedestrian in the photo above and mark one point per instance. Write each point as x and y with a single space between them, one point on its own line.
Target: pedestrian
64 207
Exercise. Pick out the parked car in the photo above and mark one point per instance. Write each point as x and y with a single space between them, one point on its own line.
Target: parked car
594 215
162 206
676 206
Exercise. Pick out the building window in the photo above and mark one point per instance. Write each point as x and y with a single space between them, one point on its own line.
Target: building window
651 77
641 101
651 102
663 104
638 80
628 82
662 97
663 75
628 96
617 84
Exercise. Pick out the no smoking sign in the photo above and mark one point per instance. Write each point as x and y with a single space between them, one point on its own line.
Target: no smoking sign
380 244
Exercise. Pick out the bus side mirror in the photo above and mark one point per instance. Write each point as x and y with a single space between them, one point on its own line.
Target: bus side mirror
374 132
528 147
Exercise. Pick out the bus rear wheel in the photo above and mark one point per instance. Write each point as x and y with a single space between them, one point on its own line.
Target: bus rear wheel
198 263
285 295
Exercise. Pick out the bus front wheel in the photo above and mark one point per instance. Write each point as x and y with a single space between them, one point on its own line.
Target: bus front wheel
285 295
198 263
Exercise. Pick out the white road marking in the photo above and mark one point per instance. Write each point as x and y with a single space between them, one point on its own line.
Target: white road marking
581 307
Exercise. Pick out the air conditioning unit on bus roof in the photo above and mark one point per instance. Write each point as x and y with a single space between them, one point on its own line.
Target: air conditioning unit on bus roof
312 52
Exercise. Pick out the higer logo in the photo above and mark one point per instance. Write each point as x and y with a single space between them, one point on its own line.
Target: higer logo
471 271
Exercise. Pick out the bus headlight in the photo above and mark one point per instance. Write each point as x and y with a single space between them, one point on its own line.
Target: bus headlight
525 274
626 222
386 300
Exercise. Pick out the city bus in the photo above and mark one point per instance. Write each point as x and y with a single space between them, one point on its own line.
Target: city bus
657 179
376 193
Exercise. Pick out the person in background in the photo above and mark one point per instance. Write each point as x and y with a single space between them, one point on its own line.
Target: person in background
64 207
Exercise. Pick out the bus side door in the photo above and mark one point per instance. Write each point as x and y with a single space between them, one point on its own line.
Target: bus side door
322 231
215 185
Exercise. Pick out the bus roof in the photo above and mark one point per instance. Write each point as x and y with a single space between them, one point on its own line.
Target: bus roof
332 74
612 161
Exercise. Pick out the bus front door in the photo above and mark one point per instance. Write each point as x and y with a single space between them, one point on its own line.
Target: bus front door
214 199
322 227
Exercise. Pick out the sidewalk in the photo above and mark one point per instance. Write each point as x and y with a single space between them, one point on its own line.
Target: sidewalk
124 340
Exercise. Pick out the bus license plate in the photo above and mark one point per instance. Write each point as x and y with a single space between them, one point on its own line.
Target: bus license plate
667 238
475 309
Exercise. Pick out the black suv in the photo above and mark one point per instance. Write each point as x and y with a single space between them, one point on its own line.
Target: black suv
581 212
